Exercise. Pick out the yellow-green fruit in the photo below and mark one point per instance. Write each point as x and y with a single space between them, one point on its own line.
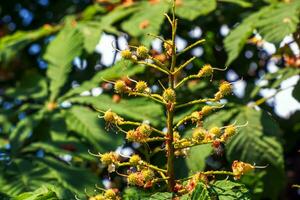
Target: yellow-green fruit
215 131
141 86
135 179
206 110
134 160
126 54
109 116
142 52
168 44
230 130
206 70
100 197
196 116
169 95
120 87
110 194
225 88
145 130
109 158
199 134
130 135
148 174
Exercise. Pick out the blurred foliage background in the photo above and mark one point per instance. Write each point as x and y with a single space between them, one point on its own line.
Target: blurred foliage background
55 56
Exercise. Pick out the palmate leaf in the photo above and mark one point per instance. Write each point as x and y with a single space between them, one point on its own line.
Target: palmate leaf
10 45
276 78
93 29
75 179
257 143
42 193
242 3
22 175
25 175
200 192
273 22
147 19
280 21
31 86
132 193
222 190
139 109
86 124
237 38
23 130
60 54
191 9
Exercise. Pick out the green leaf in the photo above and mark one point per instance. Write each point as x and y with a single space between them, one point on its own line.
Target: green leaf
151 15
160 196
275 79
229 190
257 143
93 29
200 192
120 69
22 175
73 178
31 86
139 109
191 9
196 158
91 32
23 130
10 45
237 38
279 21
273 22
42 193
242 3
220 118
86 123
60 54
132 193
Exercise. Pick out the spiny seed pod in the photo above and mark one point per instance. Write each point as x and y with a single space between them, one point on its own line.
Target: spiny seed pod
126 54
141 86
206 110
109 116
110 194
230 130
142 52
199 134
148 174
120 87
225 88
206 70
240 168
109 158
135 179
176 136
196 116
168 45
215 131
134 160
145 130
112 118
130 135
97 197
169 95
